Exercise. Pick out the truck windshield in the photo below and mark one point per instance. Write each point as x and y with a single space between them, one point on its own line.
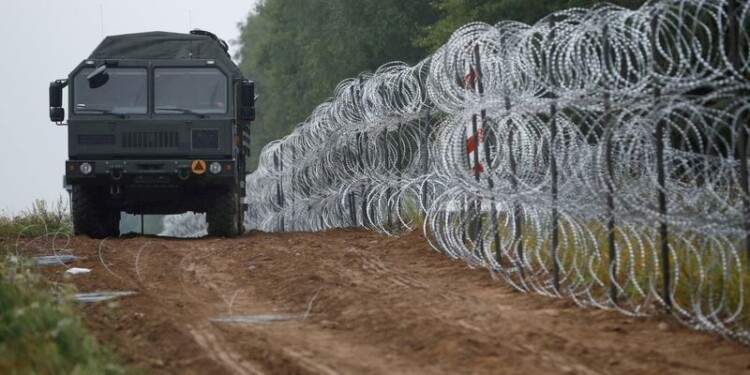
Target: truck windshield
190 90
126 92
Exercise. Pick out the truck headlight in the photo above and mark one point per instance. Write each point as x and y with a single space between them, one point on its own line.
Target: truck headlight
215 167
86 168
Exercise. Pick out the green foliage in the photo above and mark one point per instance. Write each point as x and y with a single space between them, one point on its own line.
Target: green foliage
699 282
456 13
42 335
40 220
40 332
412 213
297 51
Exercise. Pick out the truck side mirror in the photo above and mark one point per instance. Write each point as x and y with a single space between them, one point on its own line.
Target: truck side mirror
57 114
56 111
247 100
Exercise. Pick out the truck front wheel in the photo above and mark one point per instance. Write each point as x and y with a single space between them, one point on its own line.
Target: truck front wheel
90 215
222 215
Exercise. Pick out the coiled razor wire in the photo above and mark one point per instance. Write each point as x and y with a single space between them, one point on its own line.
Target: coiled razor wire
599 154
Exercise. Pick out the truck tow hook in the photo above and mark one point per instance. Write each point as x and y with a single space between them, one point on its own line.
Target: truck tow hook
114 189
115 173
183 173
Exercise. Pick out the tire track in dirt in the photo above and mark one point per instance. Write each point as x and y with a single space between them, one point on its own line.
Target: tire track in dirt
377 305
219 352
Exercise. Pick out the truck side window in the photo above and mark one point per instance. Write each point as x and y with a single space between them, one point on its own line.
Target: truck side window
199 90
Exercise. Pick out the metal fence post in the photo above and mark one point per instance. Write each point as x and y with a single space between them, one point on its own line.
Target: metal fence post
493 219
555 213
363 140
387 169
553 169
733 41
399 169
293 224
426 134
476 225
352 209
517 208
279 165
661 169
609 132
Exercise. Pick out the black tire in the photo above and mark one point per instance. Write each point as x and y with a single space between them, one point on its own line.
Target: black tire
222 215
90 216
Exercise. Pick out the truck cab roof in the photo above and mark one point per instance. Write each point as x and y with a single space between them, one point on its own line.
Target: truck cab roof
160 45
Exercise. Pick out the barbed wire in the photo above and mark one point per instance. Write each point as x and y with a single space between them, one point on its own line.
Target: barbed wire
599 154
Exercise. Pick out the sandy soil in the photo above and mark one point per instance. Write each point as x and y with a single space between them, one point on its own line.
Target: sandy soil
359 303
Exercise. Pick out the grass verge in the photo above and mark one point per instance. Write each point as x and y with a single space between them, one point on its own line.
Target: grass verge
40 332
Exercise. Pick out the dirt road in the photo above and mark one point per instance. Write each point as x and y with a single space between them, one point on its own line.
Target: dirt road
357 302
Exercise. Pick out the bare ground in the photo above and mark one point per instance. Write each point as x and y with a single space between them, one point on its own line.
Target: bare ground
359 303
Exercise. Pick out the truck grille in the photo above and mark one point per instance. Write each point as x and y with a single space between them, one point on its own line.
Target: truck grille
205 139
96 139
150 140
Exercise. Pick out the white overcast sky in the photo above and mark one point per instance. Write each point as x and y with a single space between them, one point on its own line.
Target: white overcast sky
43 40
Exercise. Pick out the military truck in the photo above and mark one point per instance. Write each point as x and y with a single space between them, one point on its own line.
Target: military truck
158 123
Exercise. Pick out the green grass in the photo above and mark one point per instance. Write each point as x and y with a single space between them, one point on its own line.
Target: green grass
704 273
707 275
411 212
40 332
40 220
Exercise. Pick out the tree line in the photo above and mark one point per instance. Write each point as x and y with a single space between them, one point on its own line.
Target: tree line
297 51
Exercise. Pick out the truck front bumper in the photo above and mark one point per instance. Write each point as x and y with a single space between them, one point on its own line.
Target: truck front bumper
151 172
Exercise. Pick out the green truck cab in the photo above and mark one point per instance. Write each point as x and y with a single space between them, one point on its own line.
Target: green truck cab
158 123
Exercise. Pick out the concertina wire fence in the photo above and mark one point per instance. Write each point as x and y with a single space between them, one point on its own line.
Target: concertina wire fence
599 154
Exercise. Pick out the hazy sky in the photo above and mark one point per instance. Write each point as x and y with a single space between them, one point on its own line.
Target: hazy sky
43 40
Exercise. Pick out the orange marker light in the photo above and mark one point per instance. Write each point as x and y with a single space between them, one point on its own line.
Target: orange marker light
199 167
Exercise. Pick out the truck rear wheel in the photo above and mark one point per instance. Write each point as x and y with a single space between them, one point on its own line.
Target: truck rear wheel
90 215
222 216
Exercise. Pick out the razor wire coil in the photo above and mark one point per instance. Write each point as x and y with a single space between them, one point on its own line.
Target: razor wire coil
599 154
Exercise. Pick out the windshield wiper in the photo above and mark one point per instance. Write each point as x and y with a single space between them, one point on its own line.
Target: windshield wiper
100 110
183 110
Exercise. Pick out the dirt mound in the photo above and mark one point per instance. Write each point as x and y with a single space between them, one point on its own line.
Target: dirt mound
355 302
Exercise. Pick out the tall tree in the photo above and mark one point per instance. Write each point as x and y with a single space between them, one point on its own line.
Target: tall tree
297 51
456 13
